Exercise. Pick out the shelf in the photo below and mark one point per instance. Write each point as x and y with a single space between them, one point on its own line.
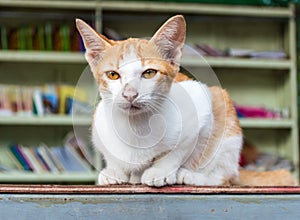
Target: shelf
197 8
85 121
22 177
42 57
77 57
194 8
82 5
266 123
238 62
44 120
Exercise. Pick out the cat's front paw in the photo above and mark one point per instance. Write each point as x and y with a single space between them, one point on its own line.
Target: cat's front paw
188 177
112 177
158 177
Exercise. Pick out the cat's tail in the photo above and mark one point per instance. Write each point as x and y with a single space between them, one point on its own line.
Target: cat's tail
280 177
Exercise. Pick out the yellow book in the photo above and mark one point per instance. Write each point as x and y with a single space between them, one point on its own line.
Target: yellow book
68 91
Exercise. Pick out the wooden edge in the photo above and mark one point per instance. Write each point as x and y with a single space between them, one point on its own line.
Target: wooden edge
140 189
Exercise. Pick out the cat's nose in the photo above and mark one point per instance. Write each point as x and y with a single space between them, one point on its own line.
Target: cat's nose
130 93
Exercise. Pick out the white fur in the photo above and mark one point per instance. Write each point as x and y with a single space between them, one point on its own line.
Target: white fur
181 126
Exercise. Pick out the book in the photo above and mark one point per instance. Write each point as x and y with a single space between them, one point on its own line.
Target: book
68 91
38 38
80 146
56 38
48 36
5 109
27 100
237 52
65 37
41 159
13 39
43 153
53 158
15 97
208 50
75 40
248 53
81 159
21 38
4 42
50 98
69 160
38 102
20 156
29 154
75 107
7 162
29 30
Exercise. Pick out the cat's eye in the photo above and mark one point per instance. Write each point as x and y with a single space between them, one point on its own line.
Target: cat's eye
112 75
149 73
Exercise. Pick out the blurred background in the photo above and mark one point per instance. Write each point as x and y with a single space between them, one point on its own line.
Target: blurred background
251 45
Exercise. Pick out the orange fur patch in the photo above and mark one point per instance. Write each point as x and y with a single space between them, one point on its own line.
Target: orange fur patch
144 50
181 77
226 123
268 178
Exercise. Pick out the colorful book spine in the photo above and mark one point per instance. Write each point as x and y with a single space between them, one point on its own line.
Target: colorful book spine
17 152
37 168
41 38
41 159
48 36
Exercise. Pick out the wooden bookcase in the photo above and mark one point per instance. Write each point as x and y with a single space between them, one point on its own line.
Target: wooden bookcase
267 82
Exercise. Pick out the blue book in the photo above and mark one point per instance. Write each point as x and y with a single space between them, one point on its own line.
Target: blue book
69 160
16 150
41 159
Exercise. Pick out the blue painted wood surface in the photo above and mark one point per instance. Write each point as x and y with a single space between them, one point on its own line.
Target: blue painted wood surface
149 206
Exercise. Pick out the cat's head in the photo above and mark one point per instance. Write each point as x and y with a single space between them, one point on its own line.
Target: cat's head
134 72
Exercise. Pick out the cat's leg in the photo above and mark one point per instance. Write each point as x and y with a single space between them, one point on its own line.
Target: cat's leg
113 174
159 176
222 168
163 171
190 177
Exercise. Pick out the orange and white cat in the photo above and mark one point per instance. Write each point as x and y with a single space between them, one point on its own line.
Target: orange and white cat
153 125
150 128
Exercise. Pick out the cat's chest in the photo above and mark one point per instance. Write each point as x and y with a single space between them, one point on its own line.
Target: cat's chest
134 142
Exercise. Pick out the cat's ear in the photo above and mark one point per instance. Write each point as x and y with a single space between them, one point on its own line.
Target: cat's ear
94 43
170 38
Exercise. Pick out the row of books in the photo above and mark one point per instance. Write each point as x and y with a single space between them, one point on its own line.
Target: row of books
250 111
208 50
252 158
39 100
43 159
211 51
48 36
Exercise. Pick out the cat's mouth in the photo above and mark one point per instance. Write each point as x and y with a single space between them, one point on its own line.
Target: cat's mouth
132 107
135 107
127 106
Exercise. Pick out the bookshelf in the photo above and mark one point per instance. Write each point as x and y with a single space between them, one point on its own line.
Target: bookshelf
249 81
267 82
36 68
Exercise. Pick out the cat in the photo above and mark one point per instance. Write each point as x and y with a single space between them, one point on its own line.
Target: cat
154 125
